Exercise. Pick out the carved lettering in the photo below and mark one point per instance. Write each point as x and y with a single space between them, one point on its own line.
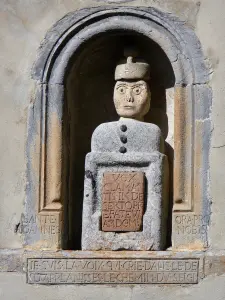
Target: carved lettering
72 270
122 201
190 224
46 224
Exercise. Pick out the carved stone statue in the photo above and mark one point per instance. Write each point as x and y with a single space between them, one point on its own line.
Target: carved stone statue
126 172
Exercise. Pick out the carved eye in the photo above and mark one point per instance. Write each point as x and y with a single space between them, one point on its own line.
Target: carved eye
137 90
121 89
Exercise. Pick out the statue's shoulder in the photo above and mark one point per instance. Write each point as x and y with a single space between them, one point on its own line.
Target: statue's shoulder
150 128
154 128
104 128
153 135
103 135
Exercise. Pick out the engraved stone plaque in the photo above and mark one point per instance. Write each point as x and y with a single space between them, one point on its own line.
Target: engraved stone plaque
112 271
122 201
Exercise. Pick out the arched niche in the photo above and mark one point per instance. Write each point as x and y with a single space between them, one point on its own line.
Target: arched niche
74 76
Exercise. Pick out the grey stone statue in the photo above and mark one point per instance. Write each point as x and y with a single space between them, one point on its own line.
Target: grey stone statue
131 152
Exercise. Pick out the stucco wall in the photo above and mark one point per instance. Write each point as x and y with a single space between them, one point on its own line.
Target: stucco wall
210 288
23 25
209 24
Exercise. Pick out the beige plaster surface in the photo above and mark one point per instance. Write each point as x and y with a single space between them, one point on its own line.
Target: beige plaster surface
212 287
210 24
23 25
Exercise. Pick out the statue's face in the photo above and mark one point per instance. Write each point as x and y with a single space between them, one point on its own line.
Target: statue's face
132 99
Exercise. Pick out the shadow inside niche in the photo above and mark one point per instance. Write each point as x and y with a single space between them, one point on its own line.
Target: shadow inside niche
89 102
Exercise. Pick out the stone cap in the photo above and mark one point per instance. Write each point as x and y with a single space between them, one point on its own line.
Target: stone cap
132 68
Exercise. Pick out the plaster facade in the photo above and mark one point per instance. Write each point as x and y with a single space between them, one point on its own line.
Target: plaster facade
23 26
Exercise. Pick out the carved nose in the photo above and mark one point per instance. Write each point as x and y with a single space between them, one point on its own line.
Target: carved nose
130 98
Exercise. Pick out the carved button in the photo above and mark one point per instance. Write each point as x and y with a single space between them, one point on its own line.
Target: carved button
123 128
123 150
123 139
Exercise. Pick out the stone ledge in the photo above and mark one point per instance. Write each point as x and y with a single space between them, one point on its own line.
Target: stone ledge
13 260
148 270
211 262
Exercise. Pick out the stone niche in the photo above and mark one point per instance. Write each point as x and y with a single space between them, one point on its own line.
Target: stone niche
74 86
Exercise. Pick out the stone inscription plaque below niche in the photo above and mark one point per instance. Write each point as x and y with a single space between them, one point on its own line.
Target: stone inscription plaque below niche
122 201
112 271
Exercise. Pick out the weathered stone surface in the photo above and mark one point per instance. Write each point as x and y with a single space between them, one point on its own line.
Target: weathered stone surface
122 201
153 234
16 62
210 263
108 271
143 142
140 136
62 44
210 288
190 230
192 50
129 69
132 99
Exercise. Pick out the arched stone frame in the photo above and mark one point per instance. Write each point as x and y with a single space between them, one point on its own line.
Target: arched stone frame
192 117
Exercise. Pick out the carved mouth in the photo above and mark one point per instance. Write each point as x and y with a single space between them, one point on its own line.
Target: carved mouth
128 106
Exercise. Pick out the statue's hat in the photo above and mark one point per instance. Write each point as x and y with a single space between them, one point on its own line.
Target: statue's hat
132 68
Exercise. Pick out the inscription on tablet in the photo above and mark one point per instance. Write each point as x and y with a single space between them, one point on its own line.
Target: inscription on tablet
109 271
122 201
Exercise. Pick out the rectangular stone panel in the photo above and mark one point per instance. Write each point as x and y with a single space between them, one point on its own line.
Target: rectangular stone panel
190 230
112 271
122 201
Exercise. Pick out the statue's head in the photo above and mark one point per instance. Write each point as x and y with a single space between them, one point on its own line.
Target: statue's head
131 93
